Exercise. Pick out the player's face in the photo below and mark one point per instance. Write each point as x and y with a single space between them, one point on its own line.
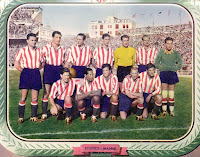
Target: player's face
169 45
125 42
65 77
57 39
151 72
32 41
79 40
146 41
106 41
89 76
134 74
106 72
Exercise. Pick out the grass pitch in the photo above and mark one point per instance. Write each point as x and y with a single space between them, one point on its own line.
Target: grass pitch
167 128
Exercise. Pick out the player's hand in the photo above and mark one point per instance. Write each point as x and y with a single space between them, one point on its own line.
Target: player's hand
148 98
103 93
54 110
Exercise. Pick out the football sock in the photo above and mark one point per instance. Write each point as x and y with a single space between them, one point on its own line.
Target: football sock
114 109
68 112
21 110
44 105
34 109
156 108
171 107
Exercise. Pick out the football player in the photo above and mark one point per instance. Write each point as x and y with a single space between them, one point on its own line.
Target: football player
88 95
151 91
28 62
168 61
108 83
131 95
53 58
61 95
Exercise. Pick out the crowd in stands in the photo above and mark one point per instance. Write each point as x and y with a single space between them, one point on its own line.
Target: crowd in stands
182 43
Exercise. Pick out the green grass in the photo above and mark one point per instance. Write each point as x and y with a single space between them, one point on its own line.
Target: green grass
166 128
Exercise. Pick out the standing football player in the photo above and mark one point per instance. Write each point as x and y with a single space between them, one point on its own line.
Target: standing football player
79 56
61 95
131 95
151 91
168 61
124 59
103 55
145 54
88 95
53 58
28 62
108 83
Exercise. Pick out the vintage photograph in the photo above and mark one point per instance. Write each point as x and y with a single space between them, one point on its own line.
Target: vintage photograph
116 72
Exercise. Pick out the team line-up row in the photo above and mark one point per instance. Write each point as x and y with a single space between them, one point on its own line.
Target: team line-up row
139 86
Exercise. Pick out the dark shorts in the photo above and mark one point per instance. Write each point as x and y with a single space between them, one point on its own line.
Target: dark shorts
79 71
145 95
88 102
30 79
122 72
51 74
124 102
169 77
105 103
60 102
141 68
98 72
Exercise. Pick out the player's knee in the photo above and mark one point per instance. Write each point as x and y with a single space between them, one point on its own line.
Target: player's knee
80 104
141 100
96 99
68 100
158 98
114 98
103 115
135 102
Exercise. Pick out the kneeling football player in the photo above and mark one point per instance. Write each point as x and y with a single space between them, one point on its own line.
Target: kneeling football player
61 95
88 95
108 83
151 85
131 95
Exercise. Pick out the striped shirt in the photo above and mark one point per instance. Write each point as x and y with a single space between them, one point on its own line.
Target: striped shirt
29 58
111 86
103 56
85 86
131 85
150 85
53 56
143 56
60 91
79 56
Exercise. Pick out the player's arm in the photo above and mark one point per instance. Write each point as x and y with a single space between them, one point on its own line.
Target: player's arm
18 66
97 93
134 57
82 96
115 59
157 60
54 110
179 62
94 63
42 65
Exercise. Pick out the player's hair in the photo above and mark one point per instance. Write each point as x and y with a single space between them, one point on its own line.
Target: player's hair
106 65
30 35
105 35
86 71
145 36
150 65
83 35
64 70
134 68
169 38
56 32
124 36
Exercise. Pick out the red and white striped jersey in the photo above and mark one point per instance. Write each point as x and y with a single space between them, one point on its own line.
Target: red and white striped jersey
131 85
143 56
53 56
103 56
29 58
79 56
60 91
85 86
150 85
111 86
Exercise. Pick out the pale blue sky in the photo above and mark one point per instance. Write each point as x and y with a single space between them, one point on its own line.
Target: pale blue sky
72 19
